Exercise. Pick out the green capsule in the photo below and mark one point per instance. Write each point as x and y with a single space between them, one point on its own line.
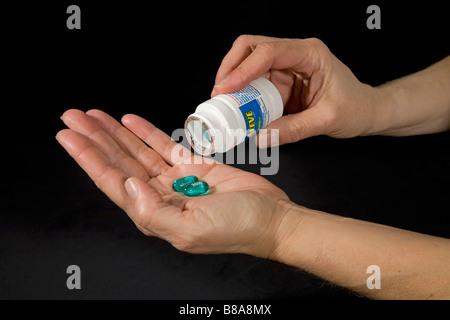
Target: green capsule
198 188
181 184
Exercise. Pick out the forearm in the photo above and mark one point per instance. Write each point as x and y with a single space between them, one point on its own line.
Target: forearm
338 249
415 104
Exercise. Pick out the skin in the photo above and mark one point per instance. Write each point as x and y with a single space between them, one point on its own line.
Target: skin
139 180
323 97
245 213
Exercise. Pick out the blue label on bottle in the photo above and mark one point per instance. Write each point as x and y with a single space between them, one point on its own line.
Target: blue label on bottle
252 116
255 112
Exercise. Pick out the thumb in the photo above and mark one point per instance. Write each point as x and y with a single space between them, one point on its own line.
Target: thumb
147 208
293 127
141 192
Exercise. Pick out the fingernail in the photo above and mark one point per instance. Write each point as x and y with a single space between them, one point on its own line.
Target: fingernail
261 139
132 188
268 138
221 83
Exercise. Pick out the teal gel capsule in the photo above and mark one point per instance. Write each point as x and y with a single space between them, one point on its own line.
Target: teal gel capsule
198 188
180 185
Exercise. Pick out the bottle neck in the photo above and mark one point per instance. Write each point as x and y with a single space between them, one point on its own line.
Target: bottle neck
198 133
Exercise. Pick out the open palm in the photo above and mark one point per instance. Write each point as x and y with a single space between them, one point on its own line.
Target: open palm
240 214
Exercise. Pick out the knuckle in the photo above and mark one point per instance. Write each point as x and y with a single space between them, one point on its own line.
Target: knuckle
143 220
242 71
330 117
265 48
331 120
243 39
315 43
297 130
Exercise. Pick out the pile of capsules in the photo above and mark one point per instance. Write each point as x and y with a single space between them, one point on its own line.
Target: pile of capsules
190 186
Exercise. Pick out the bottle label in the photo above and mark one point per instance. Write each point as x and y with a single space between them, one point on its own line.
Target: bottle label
253 109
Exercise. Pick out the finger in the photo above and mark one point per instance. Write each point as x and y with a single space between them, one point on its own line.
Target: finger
241 49
148 158
156 138
296 55
149 211
295 127
297 95
96 164
85 125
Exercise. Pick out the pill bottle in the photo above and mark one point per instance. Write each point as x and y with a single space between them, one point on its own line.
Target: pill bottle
222 122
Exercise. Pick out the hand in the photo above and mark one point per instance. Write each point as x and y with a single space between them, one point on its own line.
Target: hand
320 92
245 213
241 214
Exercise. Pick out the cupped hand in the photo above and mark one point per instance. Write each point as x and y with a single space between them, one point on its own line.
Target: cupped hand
133 165
321 95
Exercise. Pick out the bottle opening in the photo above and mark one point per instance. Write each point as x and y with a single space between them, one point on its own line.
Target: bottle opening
198 135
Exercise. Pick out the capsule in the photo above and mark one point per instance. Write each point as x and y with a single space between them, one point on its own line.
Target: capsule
180 185
195 189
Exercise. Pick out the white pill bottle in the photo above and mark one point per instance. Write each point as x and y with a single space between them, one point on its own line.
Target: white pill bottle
221 123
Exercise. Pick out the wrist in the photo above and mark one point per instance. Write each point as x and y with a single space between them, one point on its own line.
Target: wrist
285 239
382 103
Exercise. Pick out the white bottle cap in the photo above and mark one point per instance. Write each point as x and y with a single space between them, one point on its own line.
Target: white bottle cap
199 135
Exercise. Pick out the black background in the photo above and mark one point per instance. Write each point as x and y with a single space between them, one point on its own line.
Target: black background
159 61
